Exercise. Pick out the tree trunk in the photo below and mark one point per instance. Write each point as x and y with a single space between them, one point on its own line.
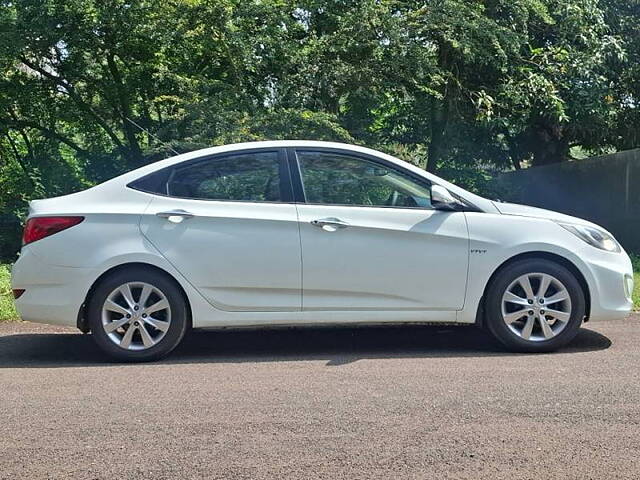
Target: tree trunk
440 111
434 151
439 123
135 152
549 145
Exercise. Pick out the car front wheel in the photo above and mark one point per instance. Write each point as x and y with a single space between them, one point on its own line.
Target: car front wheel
534 305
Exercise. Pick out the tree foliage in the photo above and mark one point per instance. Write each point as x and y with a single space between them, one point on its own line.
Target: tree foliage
91 88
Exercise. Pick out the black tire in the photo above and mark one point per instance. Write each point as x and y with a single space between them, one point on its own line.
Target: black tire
493 305
179 314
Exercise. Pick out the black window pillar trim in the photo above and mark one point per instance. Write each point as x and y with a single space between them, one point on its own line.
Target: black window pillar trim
287 191
295 176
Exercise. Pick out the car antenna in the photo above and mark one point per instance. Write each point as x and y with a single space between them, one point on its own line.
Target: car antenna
152 135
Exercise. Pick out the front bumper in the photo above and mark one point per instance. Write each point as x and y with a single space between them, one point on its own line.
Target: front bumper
610 280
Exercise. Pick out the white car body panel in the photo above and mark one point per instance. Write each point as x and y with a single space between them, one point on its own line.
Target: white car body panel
240 256
535 212
518 235
374 264
244 264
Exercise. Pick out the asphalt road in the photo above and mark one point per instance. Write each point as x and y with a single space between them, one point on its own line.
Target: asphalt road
402 402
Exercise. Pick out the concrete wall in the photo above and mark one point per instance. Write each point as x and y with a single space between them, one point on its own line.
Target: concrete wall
604 189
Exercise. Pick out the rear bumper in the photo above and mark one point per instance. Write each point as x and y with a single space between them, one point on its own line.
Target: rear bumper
53 294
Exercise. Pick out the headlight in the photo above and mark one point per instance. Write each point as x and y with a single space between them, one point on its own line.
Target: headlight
595 237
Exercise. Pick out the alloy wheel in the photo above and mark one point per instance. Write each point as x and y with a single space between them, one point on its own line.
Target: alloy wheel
136 316
536 306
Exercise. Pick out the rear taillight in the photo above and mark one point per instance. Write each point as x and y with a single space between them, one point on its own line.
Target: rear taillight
17 292
38 228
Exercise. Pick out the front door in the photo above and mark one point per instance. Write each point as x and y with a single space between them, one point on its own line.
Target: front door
371 240
228 225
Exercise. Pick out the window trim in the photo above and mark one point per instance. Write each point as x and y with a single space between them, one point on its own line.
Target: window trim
298 184
284 174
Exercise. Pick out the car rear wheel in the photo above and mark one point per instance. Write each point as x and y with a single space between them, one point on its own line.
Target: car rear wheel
137 315
534 305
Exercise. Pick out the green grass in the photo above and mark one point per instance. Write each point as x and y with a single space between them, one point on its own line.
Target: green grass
7 308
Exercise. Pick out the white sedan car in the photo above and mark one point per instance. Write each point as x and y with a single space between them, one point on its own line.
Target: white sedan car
307 233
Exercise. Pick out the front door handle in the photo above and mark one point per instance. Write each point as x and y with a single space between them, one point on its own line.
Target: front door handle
175 216
329 224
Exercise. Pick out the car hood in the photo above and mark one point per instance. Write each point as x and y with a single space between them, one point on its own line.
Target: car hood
527 211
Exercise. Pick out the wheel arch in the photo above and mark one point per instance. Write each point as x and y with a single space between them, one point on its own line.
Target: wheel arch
568 264
83 324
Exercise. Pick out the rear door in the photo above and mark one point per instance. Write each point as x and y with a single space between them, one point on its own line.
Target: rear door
229 225
370 238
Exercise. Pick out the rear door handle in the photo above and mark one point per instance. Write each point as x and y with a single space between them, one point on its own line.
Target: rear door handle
329 224
175 216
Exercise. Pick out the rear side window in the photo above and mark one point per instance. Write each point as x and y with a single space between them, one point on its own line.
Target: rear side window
250 177
155 182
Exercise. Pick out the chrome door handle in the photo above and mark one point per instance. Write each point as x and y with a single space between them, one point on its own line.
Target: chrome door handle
175 216
329 224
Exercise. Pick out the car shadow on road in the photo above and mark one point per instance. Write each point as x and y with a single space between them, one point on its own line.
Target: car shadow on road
336 346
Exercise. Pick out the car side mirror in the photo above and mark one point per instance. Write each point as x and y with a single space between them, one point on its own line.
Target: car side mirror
441 199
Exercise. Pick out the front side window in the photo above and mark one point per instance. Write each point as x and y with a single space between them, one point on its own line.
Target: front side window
249 177
339 179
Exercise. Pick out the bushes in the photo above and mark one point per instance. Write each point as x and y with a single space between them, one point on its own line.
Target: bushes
7 308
